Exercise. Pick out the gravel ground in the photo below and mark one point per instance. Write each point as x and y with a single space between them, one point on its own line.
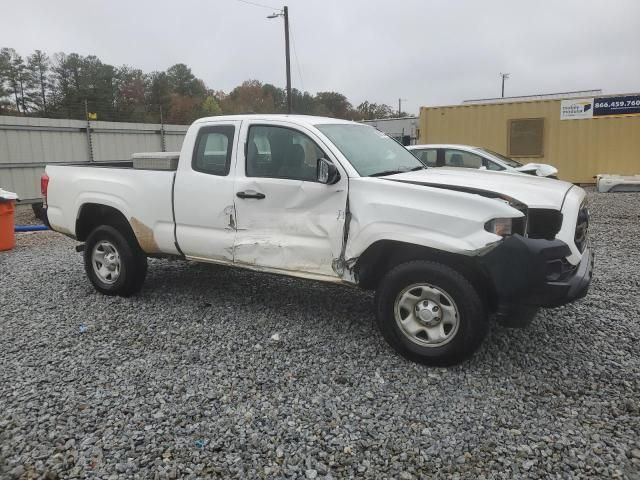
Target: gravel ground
24 216
219 372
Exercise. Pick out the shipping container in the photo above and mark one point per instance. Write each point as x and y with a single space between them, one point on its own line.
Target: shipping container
582 137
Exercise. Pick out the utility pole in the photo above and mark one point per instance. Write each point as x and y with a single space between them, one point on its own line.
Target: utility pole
504 77
400 106
163 144
89 143
286 41
285 13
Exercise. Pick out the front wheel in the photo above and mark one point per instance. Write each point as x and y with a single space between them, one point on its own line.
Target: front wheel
430 313
114 263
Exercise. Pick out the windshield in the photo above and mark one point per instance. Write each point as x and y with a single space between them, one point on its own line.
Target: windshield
370 151
509 161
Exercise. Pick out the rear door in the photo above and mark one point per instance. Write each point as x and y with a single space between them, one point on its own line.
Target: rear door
204 193
286 219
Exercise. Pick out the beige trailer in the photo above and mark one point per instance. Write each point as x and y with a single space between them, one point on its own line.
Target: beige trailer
571 134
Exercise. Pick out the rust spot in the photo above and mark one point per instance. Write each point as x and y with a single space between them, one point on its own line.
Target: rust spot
145 236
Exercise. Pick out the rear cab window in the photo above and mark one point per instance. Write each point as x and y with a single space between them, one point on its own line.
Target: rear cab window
212 151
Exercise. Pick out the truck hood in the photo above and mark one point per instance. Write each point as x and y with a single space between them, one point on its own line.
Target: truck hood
533 191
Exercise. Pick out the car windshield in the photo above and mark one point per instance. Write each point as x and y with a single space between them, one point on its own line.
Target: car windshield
371 152
509 161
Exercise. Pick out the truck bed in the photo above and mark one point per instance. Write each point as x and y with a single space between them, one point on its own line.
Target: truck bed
143 196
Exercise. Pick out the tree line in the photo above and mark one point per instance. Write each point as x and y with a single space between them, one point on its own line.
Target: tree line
70 85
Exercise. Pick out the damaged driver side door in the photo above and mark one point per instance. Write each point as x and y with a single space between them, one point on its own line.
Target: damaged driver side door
286 219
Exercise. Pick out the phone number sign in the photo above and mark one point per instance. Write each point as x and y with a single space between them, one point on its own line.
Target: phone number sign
580 108
623 105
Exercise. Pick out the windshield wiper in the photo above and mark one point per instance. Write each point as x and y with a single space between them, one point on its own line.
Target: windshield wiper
393 172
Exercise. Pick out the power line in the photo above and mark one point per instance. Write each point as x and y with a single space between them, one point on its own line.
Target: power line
259 5
295 55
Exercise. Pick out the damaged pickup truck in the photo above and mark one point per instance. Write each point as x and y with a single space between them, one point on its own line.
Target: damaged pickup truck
336 201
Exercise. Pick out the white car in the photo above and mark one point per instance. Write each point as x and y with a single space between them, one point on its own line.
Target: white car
467 156
336 201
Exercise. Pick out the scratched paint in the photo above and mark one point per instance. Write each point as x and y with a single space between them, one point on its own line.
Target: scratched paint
442 219
230 212
298 226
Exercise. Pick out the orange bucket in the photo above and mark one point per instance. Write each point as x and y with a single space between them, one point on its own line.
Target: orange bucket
7 234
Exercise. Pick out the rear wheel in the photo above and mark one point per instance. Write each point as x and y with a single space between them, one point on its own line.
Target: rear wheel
430 313
114 263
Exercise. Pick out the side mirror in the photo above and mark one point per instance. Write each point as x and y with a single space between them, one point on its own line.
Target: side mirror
327 172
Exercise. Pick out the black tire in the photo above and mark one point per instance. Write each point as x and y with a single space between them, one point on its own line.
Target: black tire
132 262
472 321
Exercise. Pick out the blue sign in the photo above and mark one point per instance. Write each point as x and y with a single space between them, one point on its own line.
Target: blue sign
622 105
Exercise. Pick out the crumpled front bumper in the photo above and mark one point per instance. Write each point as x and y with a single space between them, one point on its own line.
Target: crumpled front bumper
529 273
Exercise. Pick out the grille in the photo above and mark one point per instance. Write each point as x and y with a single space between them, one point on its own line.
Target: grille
582 228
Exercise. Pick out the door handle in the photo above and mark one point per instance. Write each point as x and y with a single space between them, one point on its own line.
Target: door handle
250 194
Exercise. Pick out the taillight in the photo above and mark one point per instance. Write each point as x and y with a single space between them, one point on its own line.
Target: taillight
44 185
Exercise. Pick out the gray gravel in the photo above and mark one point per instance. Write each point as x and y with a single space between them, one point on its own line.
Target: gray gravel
24 216
216 372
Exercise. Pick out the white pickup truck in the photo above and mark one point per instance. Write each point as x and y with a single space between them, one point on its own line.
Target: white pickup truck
337 201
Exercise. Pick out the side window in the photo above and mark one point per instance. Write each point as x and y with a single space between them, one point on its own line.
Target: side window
428 157
212 153
460 158
493 166
278 152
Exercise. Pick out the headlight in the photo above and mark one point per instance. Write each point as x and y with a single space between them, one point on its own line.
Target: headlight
500 226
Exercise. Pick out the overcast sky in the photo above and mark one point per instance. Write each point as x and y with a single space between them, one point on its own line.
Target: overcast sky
428 52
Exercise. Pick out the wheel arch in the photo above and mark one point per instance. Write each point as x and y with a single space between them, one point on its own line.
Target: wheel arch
383 255
92 215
